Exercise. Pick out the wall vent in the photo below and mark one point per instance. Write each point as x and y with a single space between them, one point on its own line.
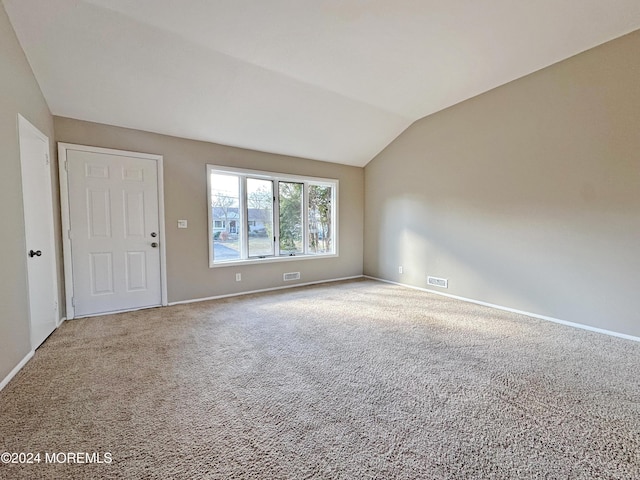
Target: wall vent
438 282
287 277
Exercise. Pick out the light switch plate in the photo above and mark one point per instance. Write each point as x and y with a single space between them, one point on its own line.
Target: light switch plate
182 224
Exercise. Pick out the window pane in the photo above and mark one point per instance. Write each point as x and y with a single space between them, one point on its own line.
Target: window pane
290 205
225 213
260 211
320 216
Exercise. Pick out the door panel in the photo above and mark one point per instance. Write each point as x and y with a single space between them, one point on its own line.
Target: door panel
134 214
99 213
101 273
136 271
113 209
38 218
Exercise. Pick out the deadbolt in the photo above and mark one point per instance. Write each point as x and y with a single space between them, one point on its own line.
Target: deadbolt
154 234
37 253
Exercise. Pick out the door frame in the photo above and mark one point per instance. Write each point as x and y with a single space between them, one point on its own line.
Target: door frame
63 148
23 126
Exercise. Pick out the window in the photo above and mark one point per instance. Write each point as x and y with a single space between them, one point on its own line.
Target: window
320 209
262 216
260 208
225 203
290 215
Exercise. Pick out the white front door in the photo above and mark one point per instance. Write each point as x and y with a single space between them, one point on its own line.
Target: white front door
114 231
38 224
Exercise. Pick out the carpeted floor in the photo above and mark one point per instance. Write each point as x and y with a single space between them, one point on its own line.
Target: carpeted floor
352 380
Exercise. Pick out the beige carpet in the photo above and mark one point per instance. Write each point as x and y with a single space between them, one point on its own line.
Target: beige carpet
353 380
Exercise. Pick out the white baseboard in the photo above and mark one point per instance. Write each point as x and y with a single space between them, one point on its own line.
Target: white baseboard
513 310
204 299
24 361
17 368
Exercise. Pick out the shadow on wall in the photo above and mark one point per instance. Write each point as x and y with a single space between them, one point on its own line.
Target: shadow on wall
561 264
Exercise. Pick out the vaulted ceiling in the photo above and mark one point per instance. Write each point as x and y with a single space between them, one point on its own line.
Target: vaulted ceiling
332 80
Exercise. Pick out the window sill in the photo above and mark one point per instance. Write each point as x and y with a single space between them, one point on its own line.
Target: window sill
255 261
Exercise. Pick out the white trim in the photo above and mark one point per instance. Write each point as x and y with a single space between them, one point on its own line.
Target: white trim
63 148
27 357
274 259
210 225
270 175
66 222
336 220
513 310
164 295
216 297
16 369
108 151
276 215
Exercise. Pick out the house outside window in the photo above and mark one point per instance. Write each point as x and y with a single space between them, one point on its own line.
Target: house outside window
263 216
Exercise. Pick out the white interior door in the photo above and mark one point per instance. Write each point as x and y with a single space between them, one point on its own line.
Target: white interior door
114 231
38 220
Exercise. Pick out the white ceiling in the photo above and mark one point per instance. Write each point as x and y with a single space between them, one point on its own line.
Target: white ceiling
332 80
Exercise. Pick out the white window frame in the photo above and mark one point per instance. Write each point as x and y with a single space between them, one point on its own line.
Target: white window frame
275 178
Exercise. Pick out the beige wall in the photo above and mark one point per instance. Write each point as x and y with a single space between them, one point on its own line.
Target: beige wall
189 275
19 94
527 196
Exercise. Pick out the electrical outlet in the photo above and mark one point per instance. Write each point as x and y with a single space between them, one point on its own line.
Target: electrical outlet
238 277
400 269
182 224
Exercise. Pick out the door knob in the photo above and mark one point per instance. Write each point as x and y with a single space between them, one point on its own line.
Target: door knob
37 253
154 245
154 234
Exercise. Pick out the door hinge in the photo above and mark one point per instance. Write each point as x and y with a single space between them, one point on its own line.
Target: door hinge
46 158
66 165
69 234
73 301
